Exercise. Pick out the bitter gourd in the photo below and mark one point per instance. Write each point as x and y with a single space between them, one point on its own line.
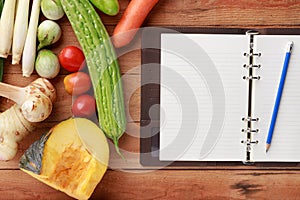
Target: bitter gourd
102 65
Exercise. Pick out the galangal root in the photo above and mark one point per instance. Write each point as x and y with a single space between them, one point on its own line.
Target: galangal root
33 105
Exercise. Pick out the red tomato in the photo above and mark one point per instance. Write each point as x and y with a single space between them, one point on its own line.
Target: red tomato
71 58
84 106
77 83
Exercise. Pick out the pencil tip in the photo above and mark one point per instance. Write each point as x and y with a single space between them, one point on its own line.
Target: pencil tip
267 147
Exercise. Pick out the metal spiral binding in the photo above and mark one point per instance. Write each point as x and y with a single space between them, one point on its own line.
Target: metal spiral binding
250 66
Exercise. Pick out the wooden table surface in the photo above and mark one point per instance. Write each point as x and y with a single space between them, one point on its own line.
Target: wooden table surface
129 180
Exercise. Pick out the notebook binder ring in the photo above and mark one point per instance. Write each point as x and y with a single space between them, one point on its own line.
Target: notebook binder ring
252 54
248 119
251 66
249 142
251 77
252 32
248 130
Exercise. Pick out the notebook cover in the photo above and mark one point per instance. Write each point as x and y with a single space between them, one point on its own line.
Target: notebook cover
150 92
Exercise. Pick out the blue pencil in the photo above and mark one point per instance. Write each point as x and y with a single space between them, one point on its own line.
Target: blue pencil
279 93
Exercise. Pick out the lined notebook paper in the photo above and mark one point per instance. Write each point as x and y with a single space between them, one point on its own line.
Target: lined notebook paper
286 137
188 105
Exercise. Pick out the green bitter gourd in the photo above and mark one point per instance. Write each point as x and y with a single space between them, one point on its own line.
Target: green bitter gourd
102 64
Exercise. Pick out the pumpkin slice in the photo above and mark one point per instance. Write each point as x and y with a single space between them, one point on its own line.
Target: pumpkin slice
72 157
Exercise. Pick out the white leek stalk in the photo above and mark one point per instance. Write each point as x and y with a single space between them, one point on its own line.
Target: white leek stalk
20 30
29 53
6 27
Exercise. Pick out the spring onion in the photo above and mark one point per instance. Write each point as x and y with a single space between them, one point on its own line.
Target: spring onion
6 27
29 53
20 30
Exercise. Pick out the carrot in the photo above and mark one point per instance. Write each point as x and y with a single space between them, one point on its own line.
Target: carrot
132 19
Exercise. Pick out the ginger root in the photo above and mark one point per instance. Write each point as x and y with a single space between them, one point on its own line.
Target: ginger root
17 121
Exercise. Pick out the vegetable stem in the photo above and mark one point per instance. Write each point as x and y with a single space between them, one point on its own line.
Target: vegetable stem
116 143
6 27
20 30
29 53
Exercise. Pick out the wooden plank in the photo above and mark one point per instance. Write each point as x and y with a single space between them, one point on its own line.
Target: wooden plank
16 184
211 182
166 184
242 13
204 184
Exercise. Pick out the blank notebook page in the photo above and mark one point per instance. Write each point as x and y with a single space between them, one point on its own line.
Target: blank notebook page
285 145
188 90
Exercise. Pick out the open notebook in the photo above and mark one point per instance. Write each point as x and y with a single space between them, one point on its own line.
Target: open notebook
217 93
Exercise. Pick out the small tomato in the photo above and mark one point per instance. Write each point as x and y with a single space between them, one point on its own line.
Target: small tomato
71 58
77 83
84 106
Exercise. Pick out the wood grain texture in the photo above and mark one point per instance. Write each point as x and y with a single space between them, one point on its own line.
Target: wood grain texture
166 184
242 13
128 179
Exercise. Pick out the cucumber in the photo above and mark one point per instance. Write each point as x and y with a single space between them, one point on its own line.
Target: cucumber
109 7
102 65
